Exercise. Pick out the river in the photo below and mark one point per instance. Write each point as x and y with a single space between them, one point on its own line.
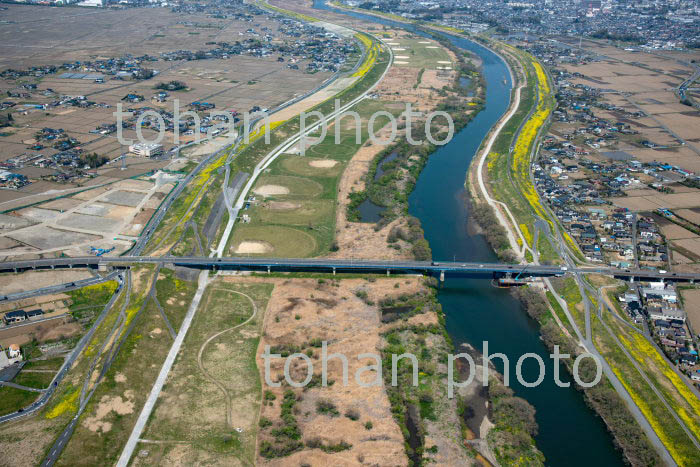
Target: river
570 434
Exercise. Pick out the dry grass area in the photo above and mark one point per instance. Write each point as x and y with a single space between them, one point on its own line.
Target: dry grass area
30 280
691 302
360 239
213 390
302 310
301 314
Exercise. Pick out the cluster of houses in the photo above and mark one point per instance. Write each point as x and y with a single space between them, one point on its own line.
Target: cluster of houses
579 170
125 66
656 306
17 316
66 159
606 234
11 180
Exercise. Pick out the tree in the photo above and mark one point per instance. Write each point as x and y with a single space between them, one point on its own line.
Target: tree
93 160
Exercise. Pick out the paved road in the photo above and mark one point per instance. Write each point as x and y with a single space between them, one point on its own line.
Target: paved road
58 288
349 265
39 403
163 375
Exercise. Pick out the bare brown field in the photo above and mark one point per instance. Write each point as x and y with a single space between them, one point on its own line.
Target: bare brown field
41 36
673 231
693 215
103 217
658 200
691 302
29 280
655 76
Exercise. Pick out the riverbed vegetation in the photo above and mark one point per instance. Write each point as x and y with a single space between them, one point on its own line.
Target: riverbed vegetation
393 172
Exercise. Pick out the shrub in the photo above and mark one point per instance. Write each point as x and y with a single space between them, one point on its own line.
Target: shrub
327 407
264 422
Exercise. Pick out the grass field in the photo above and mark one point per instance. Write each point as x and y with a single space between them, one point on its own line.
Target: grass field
291 213
428 56
12 399
174 295
192 407
34 380
280 241
49 364
304 166
89 301
301 222
109 416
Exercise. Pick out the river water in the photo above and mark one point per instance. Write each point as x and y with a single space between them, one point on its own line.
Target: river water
570 434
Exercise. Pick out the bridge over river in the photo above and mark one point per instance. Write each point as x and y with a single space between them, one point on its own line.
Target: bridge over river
352 266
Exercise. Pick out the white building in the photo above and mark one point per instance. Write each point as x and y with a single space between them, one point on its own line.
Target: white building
146 150
667 314
12 356
664 294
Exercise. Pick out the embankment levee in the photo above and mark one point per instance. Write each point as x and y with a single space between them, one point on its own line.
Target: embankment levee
505 236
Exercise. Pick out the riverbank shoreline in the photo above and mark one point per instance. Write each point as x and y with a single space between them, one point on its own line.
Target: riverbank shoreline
480 189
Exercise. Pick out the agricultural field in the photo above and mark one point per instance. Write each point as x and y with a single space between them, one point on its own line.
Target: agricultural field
238 82
637 81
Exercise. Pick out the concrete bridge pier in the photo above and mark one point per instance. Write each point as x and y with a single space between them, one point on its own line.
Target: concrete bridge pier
442 276
102 266
631 279
388 273
334 271
268 269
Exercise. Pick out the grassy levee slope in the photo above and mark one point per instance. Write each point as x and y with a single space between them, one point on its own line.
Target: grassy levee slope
511 169
622 347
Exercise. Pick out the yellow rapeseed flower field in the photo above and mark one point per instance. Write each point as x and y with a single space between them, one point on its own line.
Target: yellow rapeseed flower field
653 421
68 403
371 56
647 355
526 139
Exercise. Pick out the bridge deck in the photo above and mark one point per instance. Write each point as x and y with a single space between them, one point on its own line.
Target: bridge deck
343 265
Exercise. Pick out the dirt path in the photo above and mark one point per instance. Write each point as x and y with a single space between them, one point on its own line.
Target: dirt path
204 371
